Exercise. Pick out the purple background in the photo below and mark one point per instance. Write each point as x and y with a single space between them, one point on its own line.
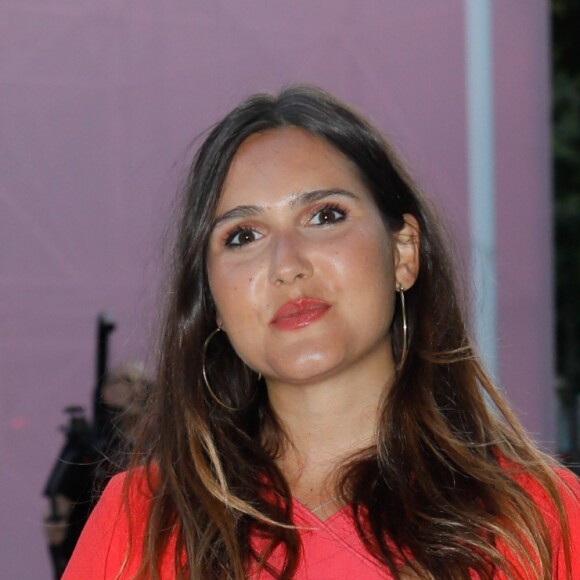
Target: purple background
99 103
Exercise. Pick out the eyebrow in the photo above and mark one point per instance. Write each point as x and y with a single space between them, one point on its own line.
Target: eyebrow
297 199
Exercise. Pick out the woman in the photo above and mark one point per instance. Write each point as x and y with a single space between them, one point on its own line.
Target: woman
319 410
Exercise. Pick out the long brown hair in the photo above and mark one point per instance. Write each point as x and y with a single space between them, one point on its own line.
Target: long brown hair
439 490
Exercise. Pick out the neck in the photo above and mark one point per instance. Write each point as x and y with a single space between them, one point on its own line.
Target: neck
326 421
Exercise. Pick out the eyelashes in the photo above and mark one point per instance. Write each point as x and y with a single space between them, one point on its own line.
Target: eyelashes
328 215
244 235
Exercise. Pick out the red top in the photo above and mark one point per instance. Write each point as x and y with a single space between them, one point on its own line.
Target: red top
331 549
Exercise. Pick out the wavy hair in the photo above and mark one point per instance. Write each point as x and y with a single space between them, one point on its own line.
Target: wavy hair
438 491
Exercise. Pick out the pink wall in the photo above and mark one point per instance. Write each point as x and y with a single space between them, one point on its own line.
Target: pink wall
98 103
524 213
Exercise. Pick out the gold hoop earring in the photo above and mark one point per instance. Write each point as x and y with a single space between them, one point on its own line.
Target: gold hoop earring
401 292
205 379
204 372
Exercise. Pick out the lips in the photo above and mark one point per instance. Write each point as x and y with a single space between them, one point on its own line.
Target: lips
299 313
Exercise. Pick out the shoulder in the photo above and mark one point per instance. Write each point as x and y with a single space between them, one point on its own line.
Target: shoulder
567 485
569 488
116 524
126 493
562 532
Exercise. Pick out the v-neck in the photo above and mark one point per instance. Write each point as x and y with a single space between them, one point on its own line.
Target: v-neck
305 514
335 535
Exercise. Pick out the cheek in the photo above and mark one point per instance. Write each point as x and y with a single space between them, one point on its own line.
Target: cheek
366 258
370 272
234 292
221 286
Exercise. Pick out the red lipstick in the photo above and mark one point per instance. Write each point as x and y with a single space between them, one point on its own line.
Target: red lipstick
299 313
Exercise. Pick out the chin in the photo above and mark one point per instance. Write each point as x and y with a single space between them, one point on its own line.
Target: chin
307 368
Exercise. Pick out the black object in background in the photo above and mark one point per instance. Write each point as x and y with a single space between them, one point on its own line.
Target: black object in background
77 474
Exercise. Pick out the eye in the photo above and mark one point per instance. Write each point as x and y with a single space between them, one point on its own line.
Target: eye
242 237
328 215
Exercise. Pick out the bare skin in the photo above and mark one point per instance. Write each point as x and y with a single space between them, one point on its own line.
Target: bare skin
326 424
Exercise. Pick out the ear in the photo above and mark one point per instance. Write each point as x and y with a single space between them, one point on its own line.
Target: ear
407 252
219 322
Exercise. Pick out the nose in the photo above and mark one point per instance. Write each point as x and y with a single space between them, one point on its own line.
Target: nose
289 260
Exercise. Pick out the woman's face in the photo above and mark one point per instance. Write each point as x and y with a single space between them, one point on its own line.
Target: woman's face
301 266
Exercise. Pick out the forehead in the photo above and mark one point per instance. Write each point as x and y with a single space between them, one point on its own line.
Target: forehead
270 166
